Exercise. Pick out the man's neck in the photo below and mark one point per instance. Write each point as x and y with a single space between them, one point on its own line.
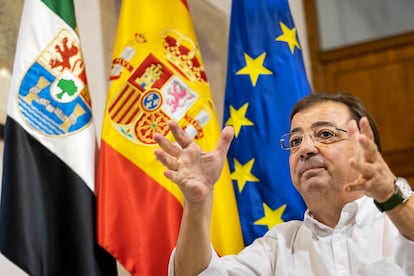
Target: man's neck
328 208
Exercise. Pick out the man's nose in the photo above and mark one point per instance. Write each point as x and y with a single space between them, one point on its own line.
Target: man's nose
308 146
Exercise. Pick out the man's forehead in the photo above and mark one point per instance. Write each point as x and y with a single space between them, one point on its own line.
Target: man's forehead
332 113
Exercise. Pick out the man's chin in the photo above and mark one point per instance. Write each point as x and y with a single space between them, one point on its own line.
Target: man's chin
312 185
310 173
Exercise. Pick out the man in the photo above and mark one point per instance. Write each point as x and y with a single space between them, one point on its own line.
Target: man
337 167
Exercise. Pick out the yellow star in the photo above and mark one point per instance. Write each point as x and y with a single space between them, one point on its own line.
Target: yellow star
271 217
254 68
288 36
238 118
242 173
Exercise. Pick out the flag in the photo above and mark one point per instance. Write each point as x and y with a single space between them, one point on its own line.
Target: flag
157 75
47 209
265 78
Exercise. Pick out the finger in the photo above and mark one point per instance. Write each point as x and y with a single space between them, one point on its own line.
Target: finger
356 185
173 176
224 142
352 128
366 140
366 128
180 135
366 169
171 163
167 160
369 149
363 139
168 146
353 132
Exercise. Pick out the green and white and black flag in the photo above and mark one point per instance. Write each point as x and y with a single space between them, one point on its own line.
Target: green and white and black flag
47 207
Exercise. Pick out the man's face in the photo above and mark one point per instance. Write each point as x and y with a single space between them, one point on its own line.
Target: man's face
318 169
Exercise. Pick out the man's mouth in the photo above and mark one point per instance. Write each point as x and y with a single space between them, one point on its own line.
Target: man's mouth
312 165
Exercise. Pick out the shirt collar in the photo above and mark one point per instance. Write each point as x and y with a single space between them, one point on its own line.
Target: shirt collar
353 213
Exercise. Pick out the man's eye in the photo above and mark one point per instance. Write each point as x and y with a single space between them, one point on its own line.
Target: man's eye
295 141
325 134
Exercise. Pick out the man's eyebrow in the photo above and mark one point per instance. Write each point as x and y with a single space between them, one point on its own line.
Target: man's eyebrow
322 123
314 125
296 129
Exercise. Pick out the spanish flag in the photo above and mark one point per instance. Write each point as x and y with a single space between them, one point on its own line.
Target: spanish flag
47 211
157 75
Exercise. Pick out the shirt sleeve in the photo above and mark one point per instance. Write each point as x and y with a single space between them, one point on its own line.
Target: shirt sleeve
253 260
259 258
404 254
171 268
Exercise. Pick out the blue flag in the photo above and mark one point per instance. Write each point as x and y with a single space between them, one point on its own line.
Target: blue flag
265 78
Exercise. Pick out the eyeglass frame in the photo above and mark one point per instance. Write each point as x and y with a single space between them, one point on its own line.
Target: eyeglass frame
322 127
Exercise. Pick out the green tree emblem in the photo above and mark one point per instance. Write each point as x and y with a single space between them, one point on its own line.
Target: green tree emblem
68 87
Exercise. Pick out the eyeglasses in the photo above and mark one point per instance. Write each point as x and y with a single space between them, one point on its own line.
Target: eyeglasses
320 135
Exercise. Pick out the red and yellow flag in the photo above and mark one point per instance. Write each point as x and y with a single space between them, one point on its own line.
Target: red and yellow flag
157 75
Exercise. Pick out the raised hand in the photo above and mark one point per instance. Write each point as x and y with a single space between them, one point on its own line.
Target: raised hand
194 171
375 178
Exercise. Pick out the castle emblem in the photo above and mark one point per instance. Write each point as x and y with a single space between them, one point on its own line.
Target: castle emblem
158 89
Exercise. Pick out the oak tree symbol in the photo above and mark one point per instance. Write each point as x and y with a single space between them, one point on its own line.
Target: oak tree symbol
68 87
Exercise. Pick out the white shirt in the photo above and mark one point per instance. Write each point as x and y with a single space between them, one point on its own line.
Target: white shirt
364 242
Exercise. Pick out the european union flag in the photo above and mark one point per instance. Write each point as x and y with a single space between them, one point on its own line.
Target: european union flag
265 78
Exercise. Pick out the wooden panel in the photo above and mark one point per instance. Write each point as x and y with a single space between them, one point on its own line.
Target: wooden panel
384 80
381 74
386 86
